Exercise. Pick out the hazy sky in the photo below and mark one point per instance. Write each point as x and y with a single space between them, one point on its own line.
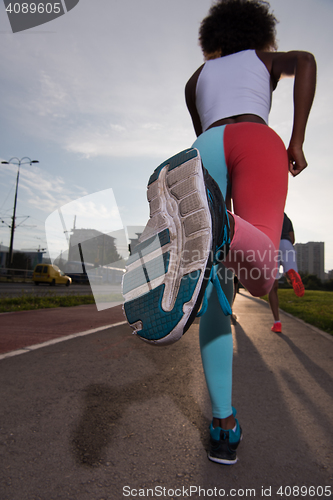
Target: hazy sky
97 96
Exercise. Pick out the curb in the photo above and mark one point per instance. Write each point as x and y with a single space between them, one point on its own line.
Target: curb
328 336
314 328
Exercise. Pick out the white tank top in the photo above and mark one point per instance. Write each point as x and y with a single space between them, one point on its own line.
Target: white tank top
232 85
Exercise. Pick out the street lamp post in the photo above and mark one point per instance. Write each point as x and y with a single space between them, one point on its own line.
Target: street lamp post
18 162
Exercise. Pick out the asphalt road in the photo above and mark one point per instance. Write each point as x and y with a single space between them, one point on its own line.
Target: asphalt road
106 417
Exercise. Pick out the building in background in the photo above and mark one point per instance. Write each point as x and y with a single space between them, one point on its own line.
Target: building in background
22 259
311 258
133 243
98 248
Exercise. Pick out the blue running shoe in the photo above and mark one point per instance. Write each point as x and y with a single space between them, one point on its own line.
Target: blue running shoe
224 443
187 233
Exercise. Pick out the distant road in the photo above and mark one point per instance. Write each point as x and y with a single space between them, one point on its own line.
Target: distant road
15 289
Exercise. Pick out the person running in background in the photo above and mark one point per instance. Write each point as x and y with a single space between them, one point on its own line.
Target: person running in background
289 264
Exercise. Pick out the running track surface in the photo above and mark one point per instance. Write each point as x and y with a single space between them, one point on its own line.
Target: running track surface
26 328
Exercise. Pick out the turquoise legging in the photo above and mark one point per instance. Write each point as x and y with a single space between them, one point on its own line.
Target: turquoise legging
215 329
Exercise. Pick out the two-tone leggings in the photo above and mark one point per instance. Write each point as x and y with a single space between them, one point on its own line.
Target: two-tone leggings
253 158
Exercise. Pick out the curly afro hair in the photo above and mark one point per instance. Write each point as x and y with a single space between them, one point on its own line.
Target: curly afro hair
235 25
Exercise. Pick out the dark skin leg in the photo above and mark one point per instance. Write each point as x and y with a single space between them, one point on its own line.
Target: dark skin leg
274 300
225 423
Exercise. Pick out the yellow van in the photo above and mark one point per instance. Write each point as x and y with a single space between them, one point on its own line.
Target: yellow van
46 273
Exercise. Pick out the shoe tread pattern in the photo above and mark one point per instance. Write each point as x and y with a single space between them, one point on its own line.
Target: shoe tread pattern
146 273
149 246
173 162
157 323
178 193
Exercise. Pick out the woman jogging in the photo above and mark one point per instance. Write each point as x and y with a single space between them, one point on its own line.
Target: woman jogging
191 246
229 99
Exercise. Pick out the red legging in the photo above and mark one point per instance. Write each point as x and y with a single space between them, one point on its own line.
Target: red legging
257 164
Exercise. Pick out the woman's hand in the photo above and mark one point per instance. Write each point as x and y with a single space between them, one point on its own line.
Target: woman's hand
297 161
301 65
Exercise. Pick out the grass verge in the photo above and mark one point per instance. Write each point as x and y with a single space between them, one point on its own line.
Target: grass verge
30 302
315 307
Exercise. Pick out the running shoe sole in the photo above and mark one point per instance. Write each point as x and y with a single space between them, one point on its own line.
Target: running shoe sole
167 274
224 461
296 282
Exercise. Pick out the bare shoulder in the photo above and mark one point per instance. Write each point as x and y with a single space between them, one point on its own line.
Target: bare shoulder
266 58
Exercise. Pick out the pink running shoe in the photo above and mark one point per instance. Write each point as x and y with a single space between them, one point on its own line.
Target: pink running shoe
277 327
296 282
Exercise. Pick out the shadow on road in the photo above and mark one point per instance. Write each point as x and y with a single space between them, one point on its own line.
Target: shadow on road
104 406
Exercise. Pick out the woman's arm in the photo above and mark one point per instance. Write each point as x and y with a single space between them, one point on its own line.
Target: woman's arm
302 66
